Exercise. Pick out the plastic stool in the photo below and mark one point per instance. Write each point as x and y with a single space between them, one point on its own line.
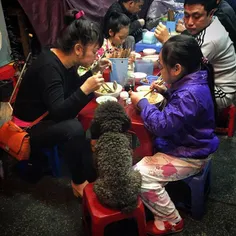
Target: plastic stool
102 216
200 188
53 159
228 114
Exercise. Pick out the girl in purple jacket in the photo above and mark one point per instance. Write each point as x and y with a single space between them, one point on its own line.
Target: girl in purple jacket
183 130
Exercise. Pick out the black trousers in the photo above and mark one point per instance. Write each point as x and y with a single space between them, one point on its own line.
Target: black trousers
69 136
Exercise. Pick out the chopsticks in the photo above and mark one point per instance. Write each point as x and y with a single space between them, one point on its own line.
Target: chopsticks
107 88
121 53
101 57
158 83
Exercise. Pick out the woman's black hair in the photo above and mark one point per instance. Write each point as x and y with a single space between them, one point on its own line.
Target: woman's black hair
115 23
184 50
78 30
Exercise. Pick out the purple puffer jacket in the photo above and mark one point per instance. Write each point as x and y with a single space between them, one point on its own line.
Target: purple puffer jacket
185 127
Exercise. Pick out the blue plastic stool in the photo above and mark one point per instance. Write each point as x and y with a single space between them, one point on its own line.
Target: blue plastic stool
200 188
53 159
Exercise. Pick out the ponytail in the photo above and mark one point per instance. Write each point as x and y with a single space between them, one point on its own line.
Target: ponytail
205 65
70 16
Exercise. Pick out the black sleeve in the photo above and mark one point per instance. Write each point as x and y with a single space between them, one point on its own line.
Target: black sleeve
229 25
81 79
134 26
51 82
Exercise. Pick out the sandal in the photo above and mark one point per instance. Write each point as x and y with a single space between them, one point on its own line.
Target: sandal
77 194
151 228
78 188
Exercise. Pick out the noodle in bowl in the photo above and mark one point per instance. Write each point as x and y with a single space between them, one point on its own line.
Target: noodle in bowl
102 92
153 97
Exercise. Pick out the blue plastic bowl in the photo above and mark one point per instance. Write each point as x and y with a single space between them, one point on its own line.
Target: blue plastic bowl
149 79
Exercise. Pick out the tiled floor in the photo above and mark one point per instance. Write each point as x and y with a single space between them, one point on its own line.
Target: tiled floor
48 207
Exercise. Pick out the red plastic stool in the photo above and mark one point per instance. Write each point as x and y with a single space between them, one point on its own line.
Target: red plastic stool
229 115
102 216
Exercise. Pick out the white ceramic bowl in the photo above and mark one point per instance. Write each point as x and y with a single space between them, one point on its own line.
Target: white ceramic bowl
152 58
149 51
143 88
139 76
102 92
153 98
103 99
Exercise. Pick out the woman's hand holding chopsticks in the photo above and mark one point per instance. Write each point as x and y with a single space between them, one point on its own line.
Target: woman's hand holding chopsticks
102 64
92 84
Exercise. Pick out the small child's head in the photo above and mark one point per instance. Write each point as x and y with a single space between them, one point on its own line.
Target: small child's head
117 28
180 55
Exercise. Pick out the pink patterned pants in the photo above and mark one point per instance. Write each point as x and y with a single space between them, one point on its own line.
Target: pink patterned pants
156 172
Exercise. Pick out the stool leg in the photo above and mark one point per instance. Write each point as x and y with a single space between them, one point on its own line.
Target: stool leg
141 221
85 215
231 122
197 202
98 228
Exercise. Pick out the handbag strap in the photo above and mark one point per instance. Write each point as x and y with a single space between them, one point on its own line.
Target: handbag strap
17 86
38 119
20 77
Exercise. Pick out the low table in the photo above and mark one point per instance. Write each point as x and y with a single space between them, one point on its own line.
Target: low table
146 144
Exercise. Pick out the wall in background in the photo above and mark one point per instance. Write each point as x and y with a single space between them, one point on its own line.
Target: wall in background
5 50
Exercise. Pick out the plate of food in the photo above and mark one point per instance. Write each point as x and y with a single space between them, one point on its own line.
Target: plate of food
139 76
148 80
103 99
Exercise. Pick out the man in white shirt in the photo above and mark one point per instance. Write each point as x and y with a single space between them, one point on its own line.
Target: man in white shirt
215 45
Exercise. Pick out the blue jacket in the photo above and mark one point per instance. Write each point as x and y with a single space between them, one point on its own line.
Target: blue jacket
185 127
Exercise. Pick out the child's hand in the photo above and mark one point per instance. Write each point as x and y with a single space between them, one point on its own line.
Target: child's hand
160 88
162 33
135 97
